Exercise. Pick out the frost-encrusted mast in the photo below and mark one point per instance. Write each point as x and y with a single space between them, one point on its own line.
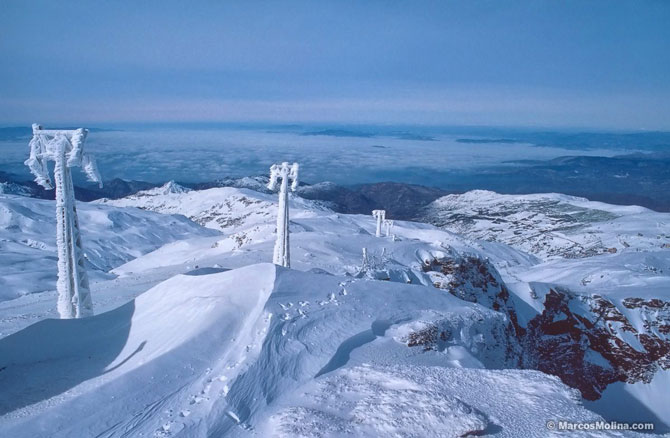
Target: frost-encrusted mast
283 171
381 216
66 149
389 227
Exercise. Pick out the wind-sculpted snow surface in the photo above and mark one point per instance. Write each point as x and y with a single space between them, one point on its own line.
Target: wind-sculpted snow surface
426 401
232 353
130 365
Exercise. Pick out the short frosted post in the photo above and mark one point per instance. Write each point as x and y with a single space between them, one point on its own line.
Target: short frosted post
389 227
366 261
283 172
381 216
66 149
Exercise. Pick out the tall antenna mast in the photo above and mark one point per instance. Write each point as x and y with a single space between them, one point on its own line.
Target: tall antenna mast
283 171
66 149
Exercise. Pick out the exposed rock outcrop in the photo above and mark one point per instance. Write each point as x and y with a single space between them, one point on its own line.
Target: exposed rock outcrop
589 341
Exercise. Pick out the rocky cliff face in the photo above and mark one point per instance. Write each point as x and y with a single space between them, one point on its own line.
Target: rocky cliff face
589 343
473 279
586 340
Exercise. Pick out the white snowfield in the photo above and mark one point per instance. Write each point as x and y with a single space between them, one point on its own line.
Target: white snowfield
202 337
227 209
111 237
263 351
585 246
551 225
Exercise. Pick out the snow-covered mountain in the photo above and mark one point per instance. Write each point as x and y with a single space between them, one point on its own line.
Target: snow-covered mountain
599 291
221 208
111 237
549 224
432 334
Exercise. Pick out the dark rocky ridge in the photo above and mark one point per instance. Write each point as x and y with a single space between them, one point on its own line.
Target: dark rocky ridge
401 201
114 189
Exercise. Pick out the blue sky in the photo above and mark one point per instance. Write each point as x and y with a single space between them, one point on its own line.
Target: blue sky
593 64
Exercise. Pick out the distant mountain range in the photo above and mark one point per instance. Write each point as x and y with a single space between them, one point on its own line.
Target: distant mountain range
640 179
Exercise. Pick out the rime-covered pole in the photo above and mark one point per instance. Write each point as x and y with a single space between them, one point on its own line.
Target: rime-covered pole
283 171
389 227
381 216
65 149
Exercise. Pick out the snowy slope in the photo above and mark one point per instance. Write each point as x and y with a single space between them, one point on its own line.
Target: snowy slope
595 307
432 323
621 285
219 208
550 224
263 351
110 237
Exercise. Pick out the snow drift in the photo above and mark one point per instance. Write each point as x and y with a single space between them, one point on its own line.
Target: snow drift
230 353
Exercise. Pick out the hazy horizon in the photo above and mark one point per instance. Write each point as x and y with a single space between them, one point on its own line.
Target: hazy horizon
596 65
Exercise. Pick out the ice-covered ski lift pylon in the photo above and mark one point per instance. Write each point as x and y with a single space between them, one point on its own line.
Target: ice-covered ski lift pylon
285 172
66 149
380 215
389 226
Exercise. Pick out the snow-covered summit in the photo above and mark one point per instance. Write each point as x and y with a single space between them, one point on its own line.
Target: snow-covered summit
349 336
255 183
221 208
168 188
550 224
